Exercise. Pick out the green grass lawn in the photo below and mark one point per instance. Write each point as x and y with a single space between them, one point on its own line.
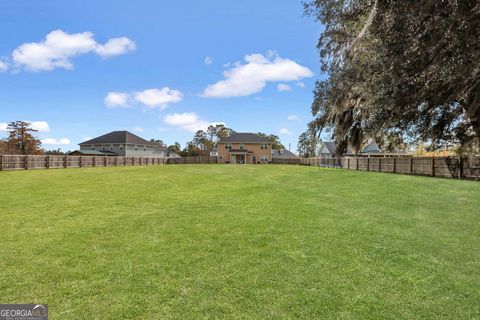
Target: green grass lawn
224 241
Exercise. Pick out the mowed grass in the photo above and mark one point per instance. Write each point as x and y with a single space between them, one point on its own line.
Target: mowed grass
226 241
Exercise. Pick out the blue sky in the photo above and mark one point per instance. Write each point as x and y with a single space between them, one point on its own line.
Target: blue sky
159 69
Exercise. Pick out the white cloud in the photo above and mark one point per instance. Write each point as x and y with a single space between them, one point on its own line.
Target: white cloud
285 131
293 117
188 121
208 60
158 98
282 87
152 98
180 119
300 84
117 99
138 129
115 47
252 76
56 142
86 138
58 47
3 66
40 126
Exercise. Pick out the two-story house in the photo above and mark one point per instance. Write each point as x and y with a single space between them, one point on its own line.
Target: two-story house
244 148
122 143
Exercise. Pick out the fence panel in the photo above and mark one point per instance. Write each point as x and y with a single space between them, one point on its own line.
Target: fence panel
387 165
422 166
374 164
403 165
73 161
36 162
470 168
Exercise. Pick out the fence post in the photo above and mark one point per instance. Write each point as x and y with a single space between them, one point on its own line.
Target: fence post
379 164
460 170
1 162
80 162
394 164
93 161
105 162
65 161
411 165
368 164
115 162
356 163
348 163
48 162
433 166
26 162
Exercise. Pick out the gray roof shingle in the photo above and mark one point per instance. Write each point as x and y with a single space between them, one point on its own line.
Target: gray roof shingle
283 154
372 147
120 137
331 147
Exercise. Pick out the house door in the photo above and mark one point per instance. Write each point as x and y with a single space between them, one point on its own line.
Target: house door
233 159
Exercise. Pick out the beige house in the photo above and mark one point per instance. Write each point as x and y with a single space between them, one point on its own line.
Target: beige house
122 143
244 148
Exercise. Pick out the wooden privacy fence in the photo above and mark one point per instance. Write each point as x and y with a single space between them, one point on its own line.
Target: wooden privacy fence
191 160
286 161
9 162
446 167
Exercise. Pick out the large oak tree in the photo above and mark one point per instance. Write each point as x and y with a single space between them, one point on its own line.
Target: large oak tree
405 70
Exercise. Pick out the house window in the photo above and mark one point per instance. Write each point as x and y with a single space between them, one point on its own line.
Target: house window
228 146
93 147
264 158
121 147
221 157
136 148
242 146
264 146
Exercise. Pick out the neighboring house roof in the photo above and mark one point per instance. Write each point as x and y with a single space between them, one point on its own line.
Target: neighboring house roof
330 148
372 147
94 153
173 154
283 154
121 137
244 137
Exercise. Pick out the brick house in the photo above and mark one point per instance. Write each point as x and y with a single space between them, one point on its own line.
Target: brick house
244 148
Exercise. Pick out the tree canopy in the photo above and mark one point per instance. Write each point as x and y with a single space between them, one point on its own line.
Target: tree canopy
404 70
21 140
274 139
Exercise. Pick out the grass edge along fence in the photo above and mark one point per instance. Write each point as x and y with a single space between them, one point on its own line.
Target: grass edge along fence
445 167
